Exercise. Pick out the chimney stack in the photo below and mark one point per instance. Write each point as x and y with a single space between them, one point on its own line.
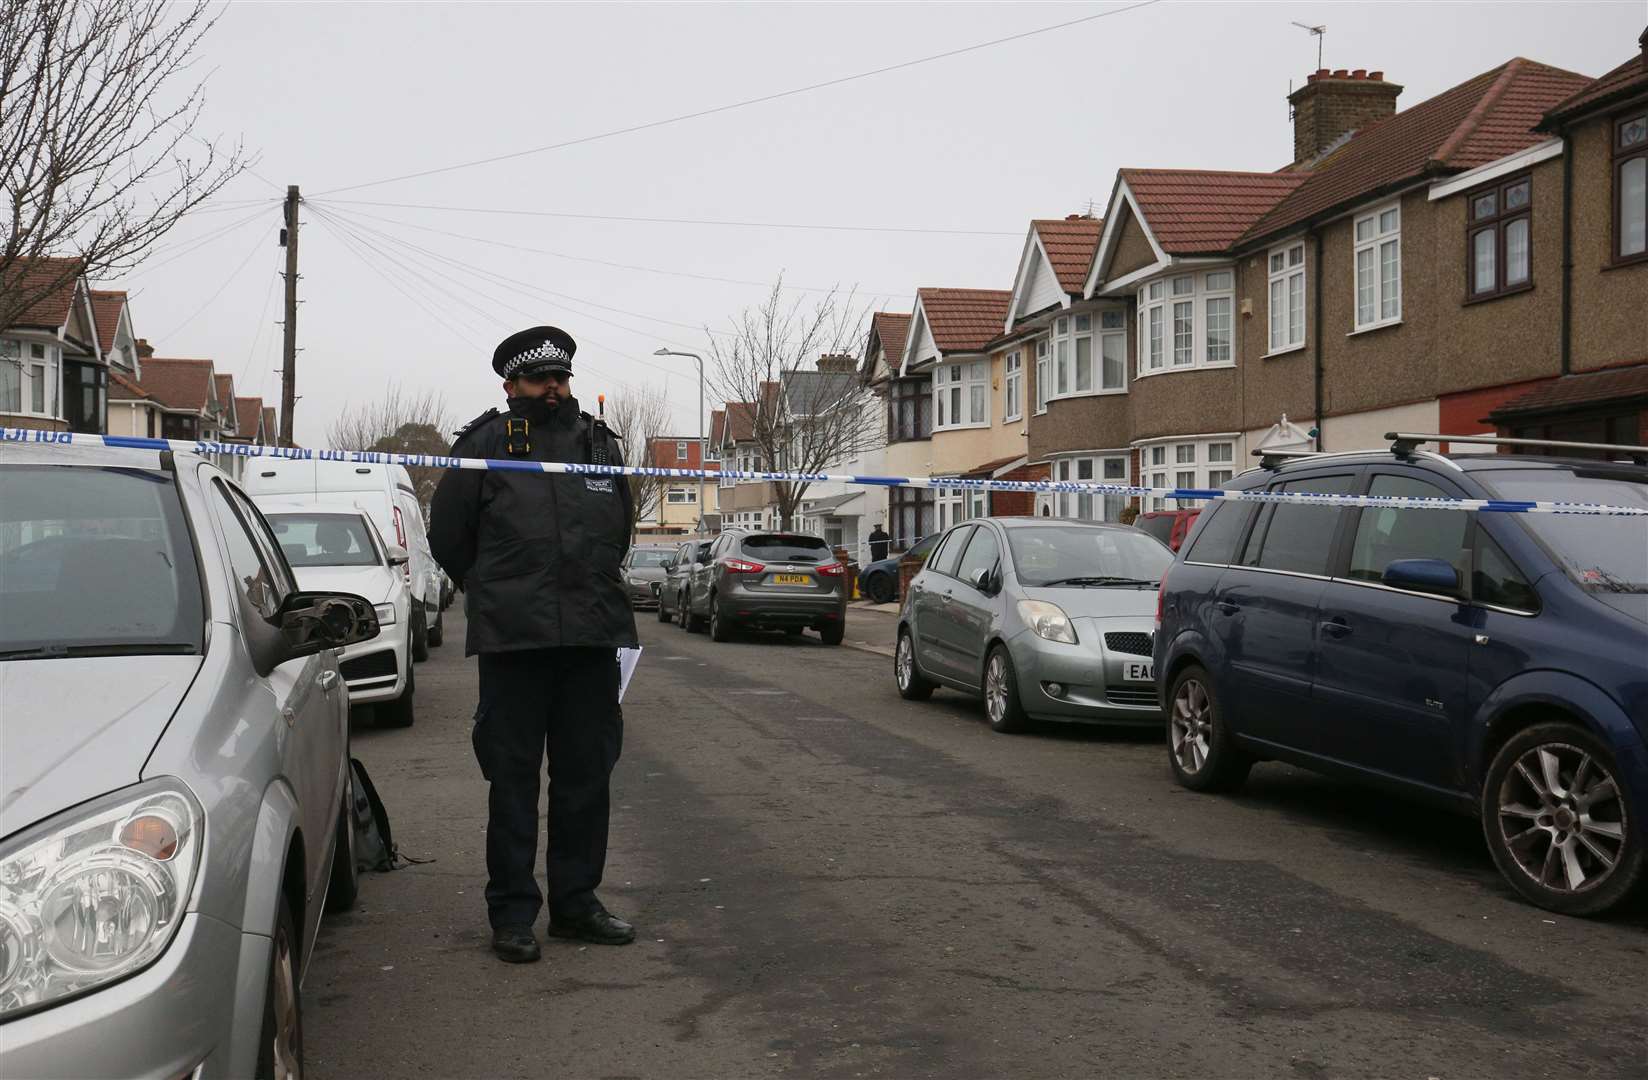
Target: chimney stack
837 362
1333 104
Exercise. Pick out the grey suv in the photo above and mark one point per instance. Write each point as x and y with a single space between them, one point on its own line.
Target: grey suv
768 581
174 770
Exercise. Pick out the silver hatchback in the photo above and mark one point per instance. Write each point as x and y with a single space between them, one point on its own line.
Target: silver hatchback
1046 620
173 770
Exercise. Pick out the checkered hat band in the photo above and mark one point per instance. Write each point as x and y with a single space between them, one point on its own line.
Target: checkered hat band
544 350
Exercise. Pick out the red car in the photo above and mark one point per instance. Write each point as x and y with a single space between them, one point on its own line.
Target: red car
1169 526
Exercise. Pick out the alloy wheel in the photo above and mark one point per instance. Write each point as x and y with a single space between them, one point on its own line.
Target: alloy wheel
1562 817
1192 726
906 661
995 688
288 1064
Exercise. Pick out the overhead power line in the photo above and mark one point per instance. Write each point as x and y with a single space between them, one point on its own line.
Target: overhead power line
683 221
746 102
262 237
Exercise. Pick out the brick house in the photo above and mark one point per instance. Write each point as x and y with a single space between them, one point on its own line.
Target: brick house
678 510
907 404
747 427
53 375
186 395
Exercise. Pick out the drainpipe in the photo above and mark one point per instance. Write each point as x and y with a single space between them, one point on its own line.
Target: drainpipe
1567 253
1316 349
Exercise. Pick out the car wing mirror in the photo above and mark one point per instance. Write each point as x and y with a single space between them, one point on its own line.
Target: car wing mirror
312 621
1422 575
398 555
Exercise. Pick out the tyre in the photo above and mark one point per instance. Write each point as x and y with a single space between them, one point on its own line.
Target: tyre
1001 693
681 618
400 712
832 632
912 685
879 588
420 633
696 623
344 885
1556 814
1200 748
437 633
663 613
721 628
280 1047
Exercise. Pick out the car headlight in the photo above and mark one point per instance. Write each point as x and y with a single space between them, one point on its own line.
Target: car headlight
638 581
385 613
96 893
1048 620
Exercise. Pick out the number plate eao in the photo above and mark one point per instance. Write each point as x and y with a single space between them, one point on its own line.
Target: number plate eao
1139 671
790 579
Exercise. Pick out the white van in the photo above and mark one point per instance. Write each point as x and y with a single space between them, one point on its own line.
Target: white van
385 492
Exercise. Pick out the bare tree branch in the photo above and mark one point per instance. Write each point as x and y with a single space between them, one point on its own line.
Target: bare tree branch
398 422
641 414
92 139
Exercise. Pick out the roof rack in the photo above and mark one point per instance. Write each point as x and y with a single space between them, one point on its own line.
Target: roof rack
1270 459
1404 443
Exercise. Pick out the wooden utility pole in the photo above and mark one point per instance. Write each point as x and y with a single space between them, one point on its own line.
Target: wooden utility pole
289 361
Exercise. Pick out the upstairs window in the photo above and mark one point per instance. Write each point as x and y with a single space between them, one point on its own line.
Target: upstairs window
1072 355
1112 350
1287 298
1378 247
961 393
1631 187
910 410
1499 243
1043 375
1012 385
1187 322
680 451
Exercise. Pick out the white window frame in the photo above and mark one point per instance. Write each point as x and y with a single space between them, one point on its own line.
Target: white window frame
1166 464
48 367
1012 385
959 378
1091 507
1378 238
680 450
1044 372
688 496
1068 334
1284 274
1107 335
1159 351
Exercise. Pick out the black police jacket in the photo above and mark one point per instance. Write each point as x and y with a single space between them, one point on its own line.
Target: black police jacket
536 554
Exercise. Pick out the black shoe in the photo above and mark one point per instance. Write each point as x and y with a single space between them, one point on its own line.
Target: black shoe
599 927
515 944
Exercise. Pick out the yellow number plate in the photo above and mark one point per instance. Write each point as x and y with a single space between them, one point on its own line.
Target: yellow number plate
789 579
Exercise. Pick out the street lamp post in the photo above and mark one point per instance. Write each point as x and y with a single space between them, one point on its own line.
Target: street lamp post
702 446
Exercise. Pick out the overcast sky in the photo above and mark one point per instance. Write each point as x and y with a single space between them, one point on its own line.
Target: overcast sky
335 95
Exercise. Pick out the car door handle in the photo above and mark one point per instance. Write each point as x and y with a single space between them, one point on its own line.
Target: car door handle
1334 627
328 680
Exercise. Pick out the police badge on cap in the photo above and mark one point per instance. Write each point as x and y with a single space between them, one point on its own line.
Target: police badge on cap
535 351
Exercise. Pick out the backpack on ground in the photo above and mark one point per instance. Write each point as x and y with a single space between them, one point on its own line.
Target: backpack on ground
374 842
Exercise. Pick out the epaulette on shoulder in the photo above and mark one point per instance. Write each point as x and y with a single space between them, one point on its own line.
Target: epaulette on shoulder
463 432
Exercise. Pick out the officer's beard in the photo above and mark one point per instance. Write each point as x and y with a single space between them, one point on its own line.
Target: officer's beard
535 409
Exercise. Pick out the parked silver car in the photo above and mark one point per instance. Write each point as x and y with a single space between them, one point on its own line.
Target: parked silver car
1047 620
768 581
644 573
173 770
672 591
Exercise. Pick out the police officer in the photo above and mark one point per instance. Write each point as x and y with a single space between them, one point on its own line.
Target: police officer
537 556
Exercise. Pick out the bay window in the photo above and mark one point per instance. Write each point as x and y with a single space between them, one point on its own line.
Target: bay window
1378 248
1012 385
1187 322
1042 375
1112 350
29 382
909 410
1090 506
1631 187
1195 464
961 392
1287 298
1498 242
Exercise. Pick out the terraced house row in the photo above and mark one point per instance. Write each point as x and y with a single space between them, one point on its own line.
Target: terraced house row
1474 263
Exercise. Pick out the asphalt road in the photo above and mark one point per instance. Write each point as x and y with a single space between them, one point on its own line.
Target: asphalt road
831 881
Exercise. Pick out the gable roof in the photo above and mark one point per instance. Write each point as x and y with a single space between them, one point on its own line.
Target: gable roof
718 424
741 415
123 387
50 311
1627 80
1202 211
1070 243
225 387
270 429
248 411
808 392
888 329
107 306
963 320
1480 120
179 384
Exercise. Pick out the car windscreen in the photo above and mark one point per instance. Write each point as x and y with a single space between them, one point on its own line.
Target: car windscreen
786 547
1074 554
648 557
1600 552
324 539
95 561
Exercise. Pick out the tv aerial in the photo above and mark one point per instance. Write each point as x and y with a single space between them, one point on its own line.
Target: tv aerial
1318 32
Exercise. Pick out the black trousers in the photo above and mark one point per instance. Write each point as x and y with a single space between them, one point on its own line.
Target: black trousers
563 702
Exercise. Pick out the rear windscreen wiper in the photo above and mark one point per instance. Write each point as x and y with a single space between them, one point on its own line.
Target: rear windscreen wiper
112 648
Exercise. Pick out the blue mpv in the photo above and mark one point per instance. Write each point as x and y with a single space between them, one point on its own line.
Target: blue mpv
1495 663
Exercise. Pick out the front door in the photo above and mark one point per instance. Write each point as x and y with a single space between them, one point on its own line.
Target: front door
1268 606
973 610
932 606
1391 666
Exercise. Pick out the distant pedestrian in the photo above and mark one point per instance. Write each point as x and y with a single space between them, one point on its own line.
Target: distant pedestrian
880 542
538 556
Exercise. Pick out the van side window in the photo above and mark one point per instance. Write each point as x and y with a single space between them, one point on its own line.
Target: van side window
1221 527
1385 534
1496 580
1295 537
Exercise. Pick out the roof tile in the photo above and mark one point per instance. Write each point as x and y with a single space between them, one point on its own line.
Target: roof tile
1584 389
106 307
247 412
964 320
178 384
50 311
1070 243
1625 80
1198 211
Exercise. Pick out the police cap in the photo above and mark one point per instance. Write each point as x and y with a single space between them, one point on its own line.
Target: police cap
540 349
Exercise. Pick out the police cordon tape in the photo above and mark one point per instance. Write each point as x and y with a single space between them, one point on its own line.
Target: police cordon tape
211 448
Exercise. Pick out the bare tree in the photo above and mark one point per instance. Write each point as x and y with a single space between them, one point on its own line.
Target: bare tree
795 366
96 163
641 415
398 422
